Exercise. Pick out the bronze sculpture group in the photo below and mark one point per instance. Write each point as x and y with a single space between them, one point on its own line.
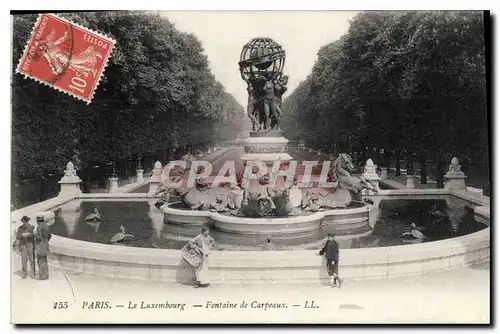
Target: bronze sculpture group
261 67
261 199
264 106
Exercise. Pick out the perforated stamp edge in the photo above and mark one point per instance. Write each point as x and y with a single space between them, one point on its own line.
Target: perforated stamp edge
101 72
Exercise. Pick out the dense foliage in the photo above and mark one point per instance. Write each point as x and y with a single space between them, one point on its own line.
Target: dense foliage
157 95
411 81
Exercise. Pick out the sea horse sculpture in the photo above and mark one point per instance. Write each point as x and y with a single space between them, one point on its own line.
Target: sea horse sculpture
202 196
346 188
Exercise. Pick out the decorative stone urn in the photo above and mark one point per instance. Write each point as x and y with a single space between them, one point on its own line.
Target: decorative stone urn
371 176
455 178
156 178
70 182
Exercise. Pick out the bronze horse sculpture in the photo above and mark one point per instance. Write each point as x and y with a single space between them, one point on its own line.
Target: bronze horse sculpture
259 199
346 188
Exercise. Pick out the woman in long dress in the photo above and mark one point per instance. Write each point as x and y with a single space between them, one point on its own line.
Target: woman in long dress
196 252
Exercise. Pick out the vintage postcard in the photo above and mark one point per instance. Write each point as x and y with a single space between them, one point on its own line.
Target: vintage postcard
250 167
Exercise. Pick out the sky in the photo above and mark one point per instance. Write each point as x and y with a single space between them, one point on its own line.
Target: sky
224 33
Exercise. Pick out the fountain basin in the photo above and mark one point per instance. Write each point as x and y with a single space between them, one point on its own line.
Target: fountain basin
348 221
165 265
268 225
186 216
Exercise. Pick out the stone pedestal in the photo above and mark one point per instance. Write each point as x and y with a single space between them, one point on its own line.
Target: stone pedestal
113 184
383 173
70 182
371 176
156 178
267 147
455 178
139 175
410 181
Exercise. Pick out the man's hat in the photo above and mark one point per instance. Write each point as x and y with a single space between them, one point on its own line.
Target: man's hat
25 219
331 234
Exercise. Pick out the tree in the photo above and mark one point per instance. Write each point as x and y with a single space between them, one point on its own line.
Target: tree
411 81
157 94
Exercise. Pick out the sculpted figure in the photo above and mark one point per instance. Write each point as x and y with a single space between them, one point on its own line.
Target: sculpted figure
313 201
235 197
163 192
202 196
265 100
221 203
280 87
346 190
256 199
287 199
252 102
271 108
197 198
227 197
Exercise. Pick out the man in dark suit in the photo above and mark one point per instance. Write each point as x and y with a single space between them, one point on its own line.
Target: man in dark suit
42 237
331 252
24 240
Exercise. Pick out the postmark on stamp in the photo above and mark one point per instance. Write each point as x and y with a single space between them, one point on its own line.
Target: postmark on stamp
66 56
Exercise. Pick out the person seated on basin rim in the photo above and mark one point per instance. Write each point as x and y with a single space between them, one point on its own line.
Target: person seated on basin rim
331 252
195 253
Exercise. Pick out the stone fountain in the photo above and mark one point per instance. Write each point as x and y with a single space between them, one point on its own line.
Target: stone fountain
261 67
257 202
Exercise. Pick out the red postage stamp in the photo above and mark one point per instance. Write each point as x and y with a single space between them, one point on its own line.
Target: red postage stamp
66 56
